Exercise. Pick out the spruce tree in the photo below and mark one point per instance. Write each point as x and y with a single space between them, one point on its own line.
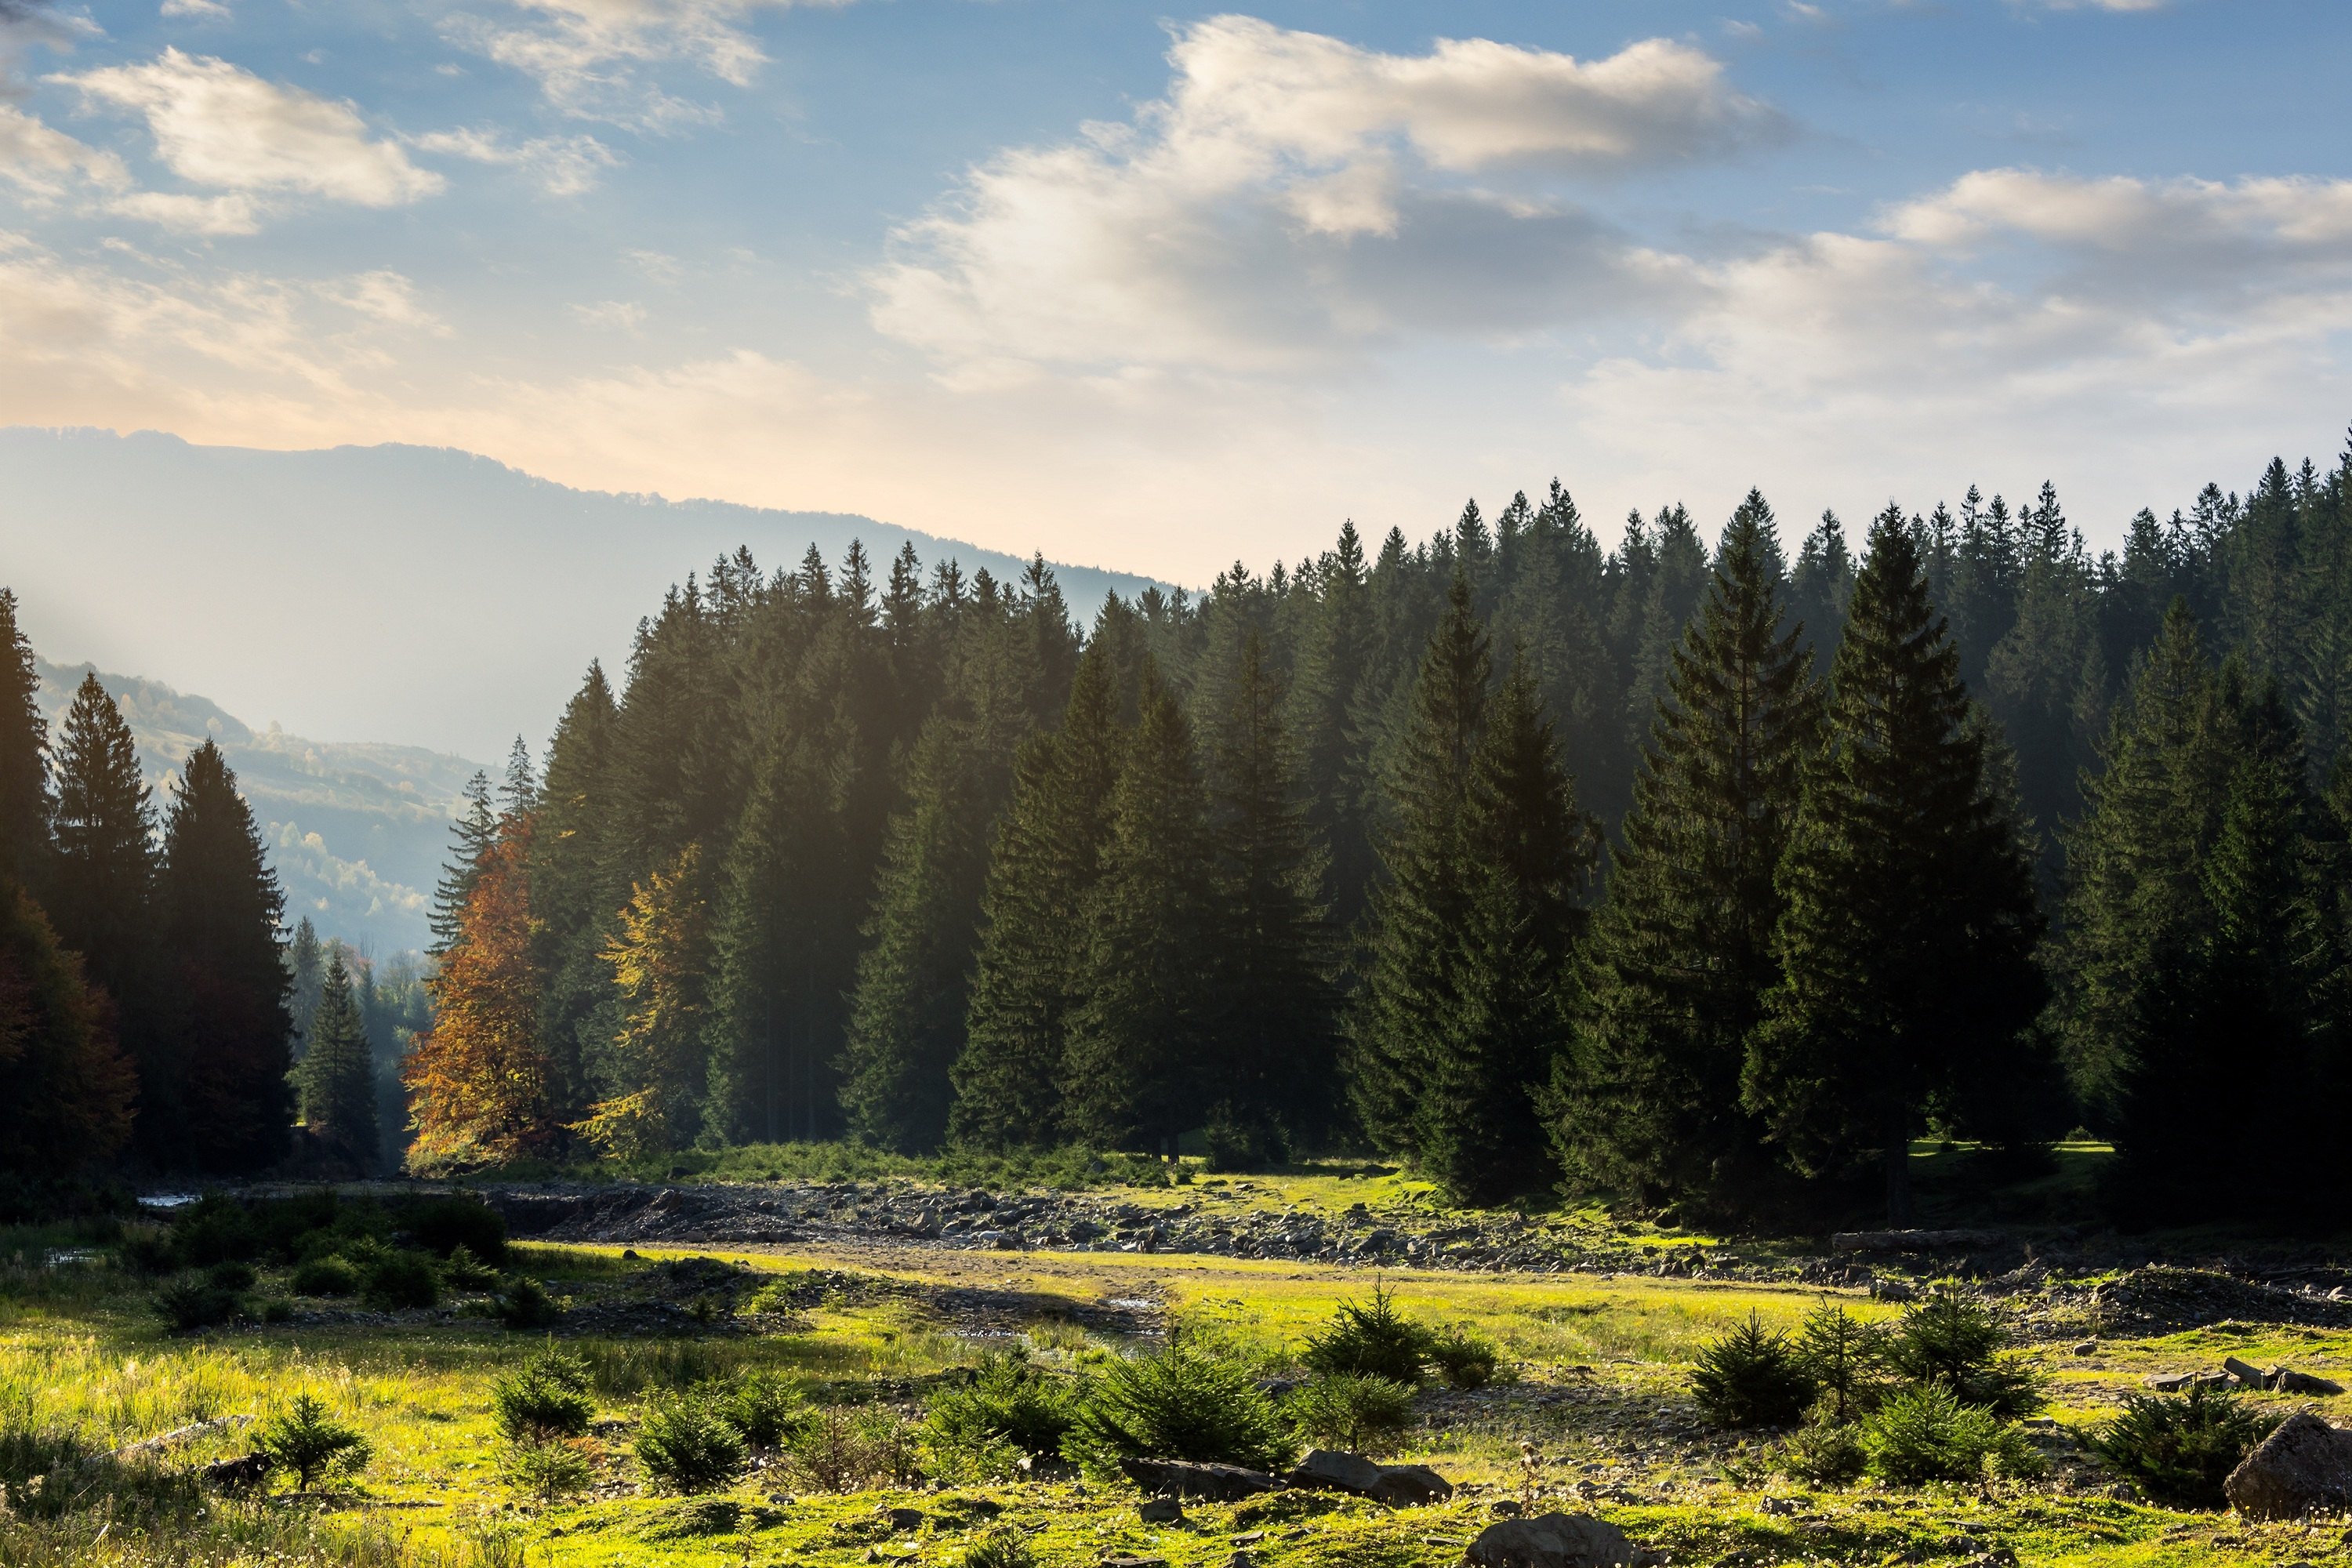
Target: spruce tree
24 802
1531 854
1908 983
1649 1100
1410 986
337 1077
569 890
1135 1066
471 833
221 910
66 1088
1044 868
306 974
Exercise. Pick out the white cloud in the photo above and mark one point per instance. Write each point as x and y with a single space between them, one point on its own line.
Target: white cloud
215 124
204 10
562 165
1295 197
184 214
585 54
616 315
42 161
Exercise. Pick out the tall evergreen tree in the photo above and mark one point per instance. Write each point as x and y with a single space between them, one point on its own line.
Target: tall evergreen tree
337 1077
1908 984
475 829
24 802
221 910
1682 954
306 977
568 888
66 1088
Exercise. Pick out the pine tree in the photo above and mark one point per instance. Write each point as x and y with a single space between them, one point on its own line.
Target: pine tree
103 897
336 1077
306 974
66 1088
1046 861
1321 713
1134 1062
1475 1127
1410 984
568 888
471 835
1820 588
1908 974
1682 952
221 910
24 800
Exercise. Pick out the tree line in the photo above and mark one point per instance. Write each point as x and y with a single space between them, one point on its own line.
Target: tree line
1698 873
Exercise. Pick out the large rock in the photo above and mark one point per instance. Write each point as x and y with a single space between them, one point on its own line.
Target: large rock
1554 1540
1182 1478
1397 1486
2304 1467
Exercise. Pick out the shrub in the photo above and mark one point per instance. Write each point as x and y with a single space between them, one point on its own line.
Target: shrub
763 1407
192 1302
1924 1434
1345 1411
543 1399
1953 1340
329 1276
525 1304
1842 1356
233 1274
1466 1360
845 1450
400 1279
147 1249
1179 1405
1824 1451
2181 1449
305 1439
1002 1547
1371 1341
550 1469
1751 1377
464 1271
442 1225
685 1446
1007 1401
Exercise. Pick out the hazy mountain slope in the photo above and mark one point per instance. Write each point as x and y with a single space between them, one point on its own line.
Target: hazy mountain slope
418 595
356 831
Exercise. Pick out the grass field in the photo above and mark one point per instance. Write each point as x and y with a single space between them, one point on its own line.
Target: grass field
1596 1388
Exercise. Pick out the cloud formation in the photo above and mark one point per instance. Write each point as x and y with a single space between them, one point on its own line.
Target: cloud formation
216 124
44 163
562 165
587 55
1295 197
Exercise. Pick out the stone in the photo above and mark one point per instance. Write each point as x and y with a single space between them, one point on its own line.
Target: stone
1397 1486
2088 1347
1135 1562
2286 1380
1554 1540
2170 1381
1159 1510
2247 1374
240 1474
2304 1467
905 1518
1183 1478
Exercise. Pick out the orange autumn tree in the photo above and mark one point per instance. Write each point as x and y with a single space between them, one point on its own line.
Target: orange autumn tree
477 1080
660 957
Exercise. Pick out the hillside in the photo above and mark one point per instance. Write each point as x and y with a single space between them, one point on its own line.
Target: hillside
357 831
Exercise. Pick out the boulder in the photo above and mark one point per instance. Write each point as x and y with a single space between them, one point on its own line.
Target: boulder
2304 1467
2286 1380
1554 1540
1182 1478
1159 1510
1397 1486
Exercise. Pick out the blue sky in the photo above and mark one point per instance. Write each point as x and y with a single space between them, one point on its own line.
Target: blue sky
1158 288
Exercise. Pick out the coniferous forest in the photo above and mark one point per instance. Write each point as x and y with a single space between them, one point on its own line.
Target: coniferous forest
1711 871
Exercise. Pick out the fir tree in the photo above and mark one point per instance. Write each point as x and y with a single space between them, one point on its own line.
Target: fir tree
1906 950
24 802
471 834
336 1077
221 911
306 976
569 889
1682 953
66 1088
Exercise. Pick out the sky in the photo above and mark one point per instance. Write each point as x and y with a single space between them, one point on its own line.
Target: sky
1161 288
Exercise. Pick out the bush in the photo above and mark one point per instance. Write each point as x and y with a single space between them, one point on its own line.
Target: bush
464 1271
543 1399
847 1450
1007 1401
1179 1405
442 1225
305 1439
525 1304
1363 1414
1951 1338
1825 1451
193 1302
232 1275
1843 1357
1752 1376
1371 1341
763 1407
2181 1449
1925 1433
1466 1360
329 1276
552 1470
1002 1547
400 1279
685 1446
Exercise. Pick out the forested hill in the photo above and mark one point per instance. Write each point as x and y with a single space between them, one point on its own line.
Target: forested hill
863 846
411 594
355 832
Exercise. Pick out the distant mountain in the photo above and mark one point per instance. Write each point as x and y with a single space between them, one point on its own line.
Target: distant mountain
404 593
357 832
